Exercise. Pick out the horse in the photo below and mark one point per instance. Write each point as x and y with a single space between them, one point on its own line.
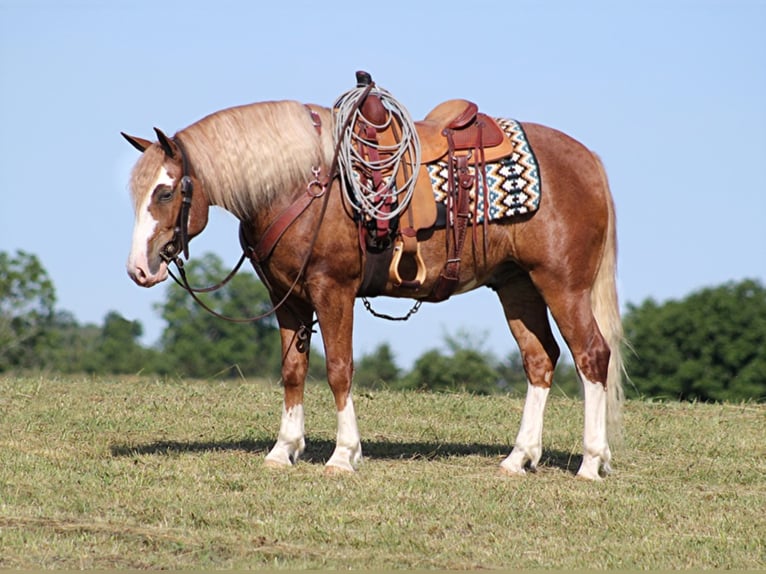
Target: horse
272 165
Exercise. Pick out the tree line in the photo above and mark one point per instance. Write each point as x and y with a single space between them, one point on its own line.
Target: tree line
710 346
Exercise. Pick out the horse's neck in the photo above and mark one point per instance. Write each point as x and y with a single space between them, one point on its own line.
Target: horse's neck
255 202
257 171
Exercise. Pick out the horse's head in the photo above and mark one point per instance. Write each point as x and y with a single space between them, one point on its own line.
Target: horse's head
170 208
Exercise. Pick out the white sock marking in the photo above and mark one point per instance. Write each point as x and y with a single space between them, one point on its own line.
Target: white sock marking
290 441
529 441
595 447
348 447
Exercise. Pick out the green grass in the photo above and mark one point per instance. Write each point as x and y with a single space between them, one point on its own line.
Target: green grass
137 473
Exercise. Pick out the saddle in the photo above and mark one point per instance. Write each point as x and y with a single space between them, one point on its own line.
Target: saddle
454 132
470 130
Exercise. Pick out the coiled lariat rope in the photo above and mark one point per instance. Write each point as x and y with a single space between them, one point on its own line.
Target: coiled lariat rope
400 158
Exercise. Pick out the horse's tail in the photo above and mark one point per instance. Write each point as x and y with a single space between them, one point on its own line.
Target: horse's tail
606 310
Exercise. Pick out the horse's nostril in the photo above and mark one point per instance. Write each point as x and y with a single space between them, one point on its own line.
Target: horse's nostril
138 275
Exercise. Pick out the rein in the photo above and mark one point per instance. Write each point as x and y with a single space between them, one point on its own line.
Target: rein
315 189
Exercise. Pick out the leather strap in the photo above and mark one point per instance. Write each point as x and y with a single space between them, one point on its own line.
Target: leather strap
369 134
315 119
457 225
374 114
277 228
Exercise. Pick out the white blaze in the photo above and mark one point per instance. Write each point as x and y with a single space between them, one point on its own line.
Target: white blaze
144 228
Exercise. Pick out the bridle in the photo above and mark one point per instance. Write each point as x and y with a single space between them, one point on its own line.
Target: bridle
179 244
180 241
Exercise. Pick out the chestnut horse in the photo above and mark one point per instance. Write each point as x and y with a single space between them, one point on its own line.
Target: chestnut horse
260 161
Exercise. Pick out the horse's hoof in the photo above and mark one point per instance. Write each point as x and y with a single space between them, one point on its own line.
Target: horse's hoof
586 478
591 466
272 464
584 474
336 470
505 471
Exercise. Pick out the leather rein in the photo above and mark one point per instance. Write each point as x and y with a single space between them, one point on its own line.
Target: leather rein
316 188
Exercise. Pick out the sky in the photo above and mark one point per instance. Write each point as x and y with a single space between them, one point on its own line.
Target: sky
671 94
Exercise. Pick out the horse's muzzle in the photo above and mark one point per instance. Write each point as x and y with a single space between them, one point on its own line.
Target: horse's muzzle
143 277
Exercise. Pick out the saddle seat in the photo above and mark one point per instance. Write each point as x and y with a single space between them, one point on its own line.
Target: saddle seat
470 129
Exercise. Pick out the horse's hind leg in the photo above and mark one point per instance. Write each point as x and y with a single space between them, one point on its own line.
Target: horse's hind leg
527 318
573 312
294 322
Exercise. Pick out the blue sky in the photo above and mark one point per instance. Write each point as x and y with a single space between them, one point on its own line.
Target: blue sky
671 94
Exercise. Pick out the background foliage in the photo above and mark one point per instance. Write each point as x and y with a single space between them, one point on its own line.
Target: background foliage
27 298
710 346
198 344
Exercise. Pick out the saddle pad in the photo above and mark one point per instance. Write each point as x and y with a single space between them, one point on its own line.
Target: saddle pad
513 181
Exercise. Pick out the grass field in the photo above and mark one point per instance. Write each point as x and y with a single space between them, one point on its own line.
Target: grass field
138 473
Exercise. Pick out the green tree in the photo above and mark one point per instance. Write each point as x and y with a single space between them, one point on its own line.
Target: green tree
65 346
465 366
377 369
711 346
198 344
117 349
27 298
512 377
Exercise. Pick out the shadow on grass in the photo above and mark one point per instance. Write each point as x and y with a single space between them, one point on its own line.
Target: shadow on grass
318 451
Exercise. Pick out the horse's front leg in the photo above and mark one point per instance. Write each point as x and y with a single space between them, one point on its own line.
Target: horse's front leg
335 312
295 330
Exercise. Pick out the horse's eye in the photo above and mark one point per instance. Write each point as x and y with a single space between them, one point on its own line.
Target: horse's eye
163 193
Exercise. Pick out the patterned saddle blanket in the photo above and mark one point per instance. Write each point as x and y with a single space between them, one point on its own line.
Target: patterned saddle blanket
513 182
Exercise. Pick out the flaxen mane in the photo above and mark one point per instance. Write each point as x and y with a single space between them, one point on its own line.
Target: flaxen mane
246 155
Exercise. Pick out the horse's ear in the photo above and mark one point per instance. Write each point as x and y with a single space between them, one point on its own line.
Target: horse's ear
139 143
164 142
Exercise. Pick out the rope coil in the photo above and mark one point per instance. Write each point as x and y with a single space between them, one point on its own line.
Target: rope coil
401 158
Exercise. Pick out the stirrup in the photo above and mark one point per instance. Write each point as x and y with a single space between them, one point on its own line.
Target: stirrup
395 277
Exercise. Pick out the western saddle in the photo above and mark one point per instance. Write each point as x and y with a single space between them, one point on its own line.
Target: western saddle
456 133
469 129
